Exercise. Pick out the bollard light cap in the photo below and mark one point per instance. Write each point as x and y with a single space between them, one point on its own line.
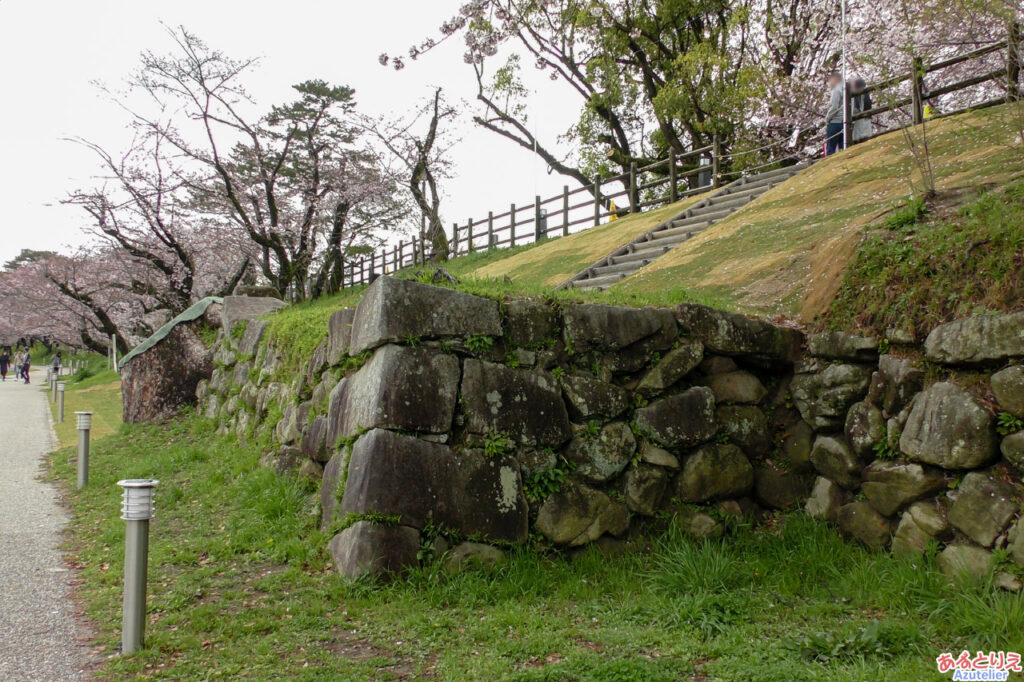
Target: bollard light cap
61 385
137 498
84 420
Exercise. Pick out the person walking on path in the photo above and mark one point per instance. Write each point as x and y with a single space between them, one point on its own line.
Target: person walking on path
834 115
40 638
5 362
56 363
26 365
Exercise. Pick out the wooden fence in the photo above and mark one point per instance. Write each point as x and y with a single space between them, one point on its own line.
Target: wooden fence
681 175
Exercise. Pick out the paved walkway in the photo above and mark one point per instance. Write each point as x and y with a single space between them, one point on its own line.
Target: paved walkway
40 638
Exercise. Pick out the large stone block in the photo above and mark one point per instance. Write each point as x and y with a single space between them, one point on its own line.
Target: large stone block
797 441
332 487
842 346
827 497
746 426
949 428
412 389
578 514
825 396
394 309
895 384
1012 448
526 406
251 337
339 334
732 334
238 308
736 387
965 560
891 485
859 520
681 420
714 472
644 488
979 340
529 323
158 382
314 440
604 456
778 489
593 326
865 428
421 481
1008 387
372 549
984 507
922 522
589 397
676 364
834 459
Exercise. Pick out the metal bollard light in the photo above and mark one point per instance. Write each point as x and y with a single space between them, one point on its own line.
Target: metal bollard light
61 386
136 510
84 426
53 386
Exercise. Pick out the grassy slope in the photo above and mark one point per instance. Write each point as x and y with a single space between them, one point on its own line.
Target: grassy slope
931 267
786 252
240 588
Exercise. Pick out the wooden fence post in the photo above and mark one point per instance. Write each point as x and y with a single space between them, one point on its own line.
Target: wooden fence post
597 200
716 162
538 233
490 230
673 188
1013 62
917 89
565 210
633 199
469 236
512 226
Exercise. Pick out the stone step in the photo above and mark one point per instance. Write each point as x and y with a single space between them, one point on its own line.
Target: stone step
712 213
647 253
628 267
591 282
687 230
727 201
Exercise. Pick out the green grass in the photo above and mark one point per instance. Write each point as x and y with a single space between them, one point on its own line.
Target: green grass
927 269
297 329
240 588
97 390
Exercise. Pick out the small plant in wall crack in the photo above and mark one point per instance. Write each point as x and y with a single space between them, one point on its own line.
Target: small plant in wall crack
592 429
1007 423
412 340
479 344
540 485
884 451
496 445
558 372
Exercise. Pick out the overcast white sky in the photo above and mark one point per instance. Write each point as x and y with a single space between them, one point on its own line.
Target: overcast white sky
51 53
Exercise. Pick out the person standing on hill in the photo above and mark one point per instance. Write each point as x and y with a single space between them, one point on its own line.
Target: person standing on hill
5 362
860 101
834 115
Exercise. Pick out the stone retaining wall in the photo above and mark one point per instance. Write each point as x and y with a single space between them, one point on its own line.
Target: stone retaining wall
442 424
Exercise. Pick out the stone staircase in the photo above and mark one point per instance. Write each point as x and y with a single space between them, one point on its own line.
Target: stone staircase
665 236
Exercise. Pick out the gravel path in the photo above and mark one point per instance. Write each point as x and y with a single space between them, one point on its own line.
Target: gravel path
40 638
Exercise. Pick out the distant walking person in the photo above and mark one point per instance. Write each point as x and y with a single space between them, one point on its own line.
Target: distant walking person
860 101
5 362
56 364
834 116
26 365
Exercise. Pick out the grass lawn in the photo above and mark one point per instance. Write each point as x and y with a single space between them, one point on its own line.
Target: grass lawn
100 393
240 588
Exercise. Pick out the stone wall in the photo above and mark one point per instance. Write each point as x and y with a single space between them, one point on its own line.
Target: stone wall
445 425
